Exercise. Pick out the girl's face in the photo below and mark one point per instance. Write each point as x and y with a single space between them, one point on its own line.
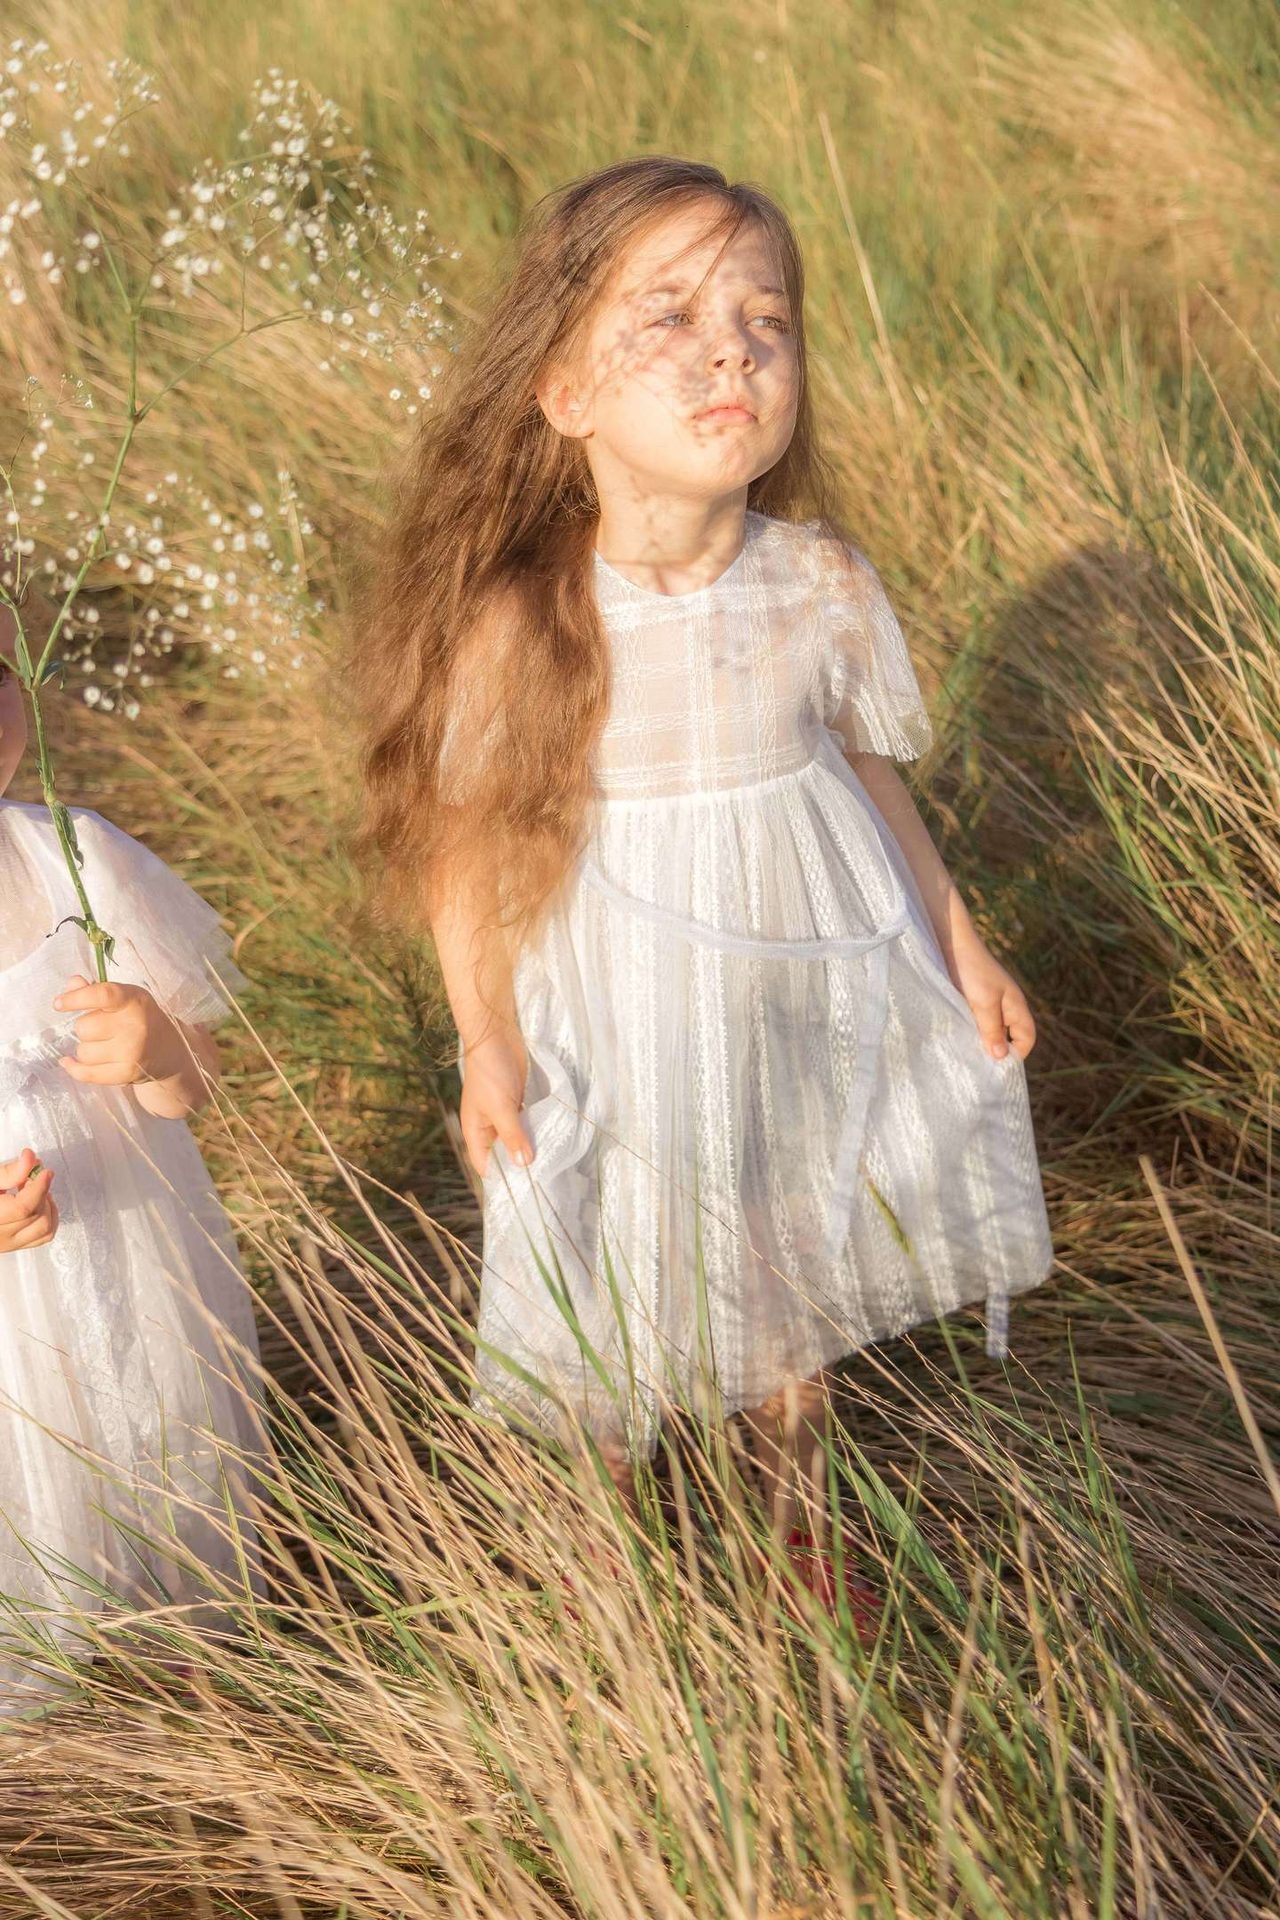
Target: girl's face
13 713
689 380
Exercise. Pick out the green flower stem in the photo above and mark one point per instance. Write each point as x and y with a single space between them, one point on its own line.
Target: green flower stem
64 825
33 675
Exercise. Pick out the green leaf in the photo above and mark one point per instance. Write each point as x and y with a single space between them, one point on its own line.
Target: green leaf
92 933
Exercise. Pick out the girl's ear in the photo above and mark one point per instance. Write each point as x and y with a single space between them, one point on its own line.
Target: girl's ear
564 405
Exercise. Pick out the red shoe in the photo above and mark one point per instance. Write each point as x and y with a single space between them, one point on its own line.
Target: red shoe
817 1572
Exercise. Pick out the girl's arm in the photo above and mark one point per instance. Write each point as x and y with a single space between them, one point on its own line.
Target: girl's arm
942 898
186 1090
477 977
996 1000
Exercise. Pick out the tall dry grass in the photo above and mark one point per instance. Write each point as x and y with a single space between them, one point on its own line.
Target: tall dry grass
1042 267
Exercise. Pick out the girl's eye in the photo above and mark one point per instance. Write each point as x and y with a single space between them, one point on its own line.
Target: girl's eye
774 319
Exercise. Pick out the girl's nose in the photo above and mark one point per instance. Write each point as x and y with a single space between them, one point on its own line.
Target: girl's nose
738 352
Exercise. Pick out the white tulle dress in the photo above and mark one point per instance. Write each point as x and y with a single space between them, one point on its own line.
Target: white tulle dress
767 1131
130 1400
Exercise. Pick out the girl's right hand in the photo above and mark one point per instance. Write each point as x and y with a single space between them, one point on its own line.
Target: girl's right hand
492 1091
28 1211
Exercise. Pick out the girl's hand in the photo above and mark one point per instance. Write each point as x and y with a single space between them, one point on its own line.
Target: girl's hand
28 1211
123 1036
492 1090
994 996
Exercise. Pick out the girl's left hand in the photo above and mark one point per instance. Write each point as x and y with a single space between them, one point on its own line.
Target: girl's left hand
995 998
123 1035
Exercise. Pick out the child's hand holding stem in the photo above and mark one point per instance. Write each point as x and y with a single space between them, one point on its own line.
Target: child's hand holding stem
125 1038
28 1210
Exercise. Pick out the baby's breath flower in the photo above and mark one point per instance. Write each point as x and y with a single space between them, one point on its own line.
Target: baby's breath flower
294 216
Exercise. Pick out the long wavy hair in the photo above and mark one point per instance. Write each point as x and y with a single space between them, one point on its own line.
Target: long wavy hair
482 667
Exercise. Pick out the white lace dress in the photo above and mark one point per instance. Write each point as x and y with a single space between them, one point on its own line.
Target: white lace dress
767 1131
128 1346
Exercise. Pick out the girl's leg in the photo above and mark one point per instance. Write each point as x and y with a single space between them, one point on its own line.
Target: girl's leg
790 1434
617 1458
792 1431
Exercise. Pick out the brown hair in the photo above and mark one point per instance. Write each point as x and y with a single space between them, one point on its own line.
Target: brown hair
475 599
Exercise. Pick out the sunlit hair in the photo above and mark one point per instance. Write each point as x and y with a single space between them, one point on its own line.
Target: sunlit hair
480 577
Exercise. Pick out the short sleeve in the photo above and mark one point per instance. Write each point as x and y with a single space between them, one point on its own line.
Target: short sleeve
167 938
870 693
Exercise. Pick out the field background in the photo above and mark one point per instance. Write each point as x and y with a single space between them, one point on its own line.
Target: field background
1043 313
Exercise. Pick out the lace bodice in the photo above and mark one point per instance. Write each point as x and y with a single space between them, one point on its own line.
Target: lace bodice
732 683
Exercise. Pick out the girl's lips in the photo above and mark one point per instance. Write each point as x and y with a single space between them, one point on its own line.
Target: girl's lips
727 413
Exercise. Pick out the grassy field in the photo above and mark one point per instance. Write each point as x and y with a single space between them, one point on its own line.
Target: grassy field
1044 311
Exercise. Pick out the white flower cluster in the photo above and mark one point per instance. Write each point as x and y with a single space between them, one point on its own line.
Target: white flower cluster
48 111
232 581
292 230
313 226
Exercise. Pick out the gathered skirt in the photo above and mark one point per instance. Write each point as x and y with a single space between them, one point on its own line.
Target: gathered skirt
131 1398
767 1131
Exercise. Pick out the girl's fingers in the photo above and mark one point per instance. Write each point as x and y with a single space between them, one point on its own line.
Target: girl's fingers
94 1075
1022 1028
513 1138
80 994
95 1053
1005 1022
16 1208
35 1233
14 1172
516 1142
1023 1036
989 1015
96 1026
478 1151
19 1234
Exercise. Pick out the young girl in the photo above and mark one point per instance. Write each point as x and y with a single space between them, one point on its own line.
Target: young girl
128 1347
744 1085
